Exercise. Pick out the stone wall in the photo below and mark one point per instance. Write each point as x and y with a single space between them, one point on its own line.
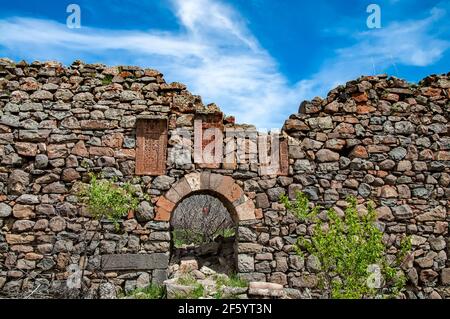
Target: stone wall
376 138
388 141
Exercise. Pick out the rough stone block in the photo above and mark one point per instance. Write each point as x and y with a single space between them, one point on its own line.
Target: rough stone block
246 211
135 261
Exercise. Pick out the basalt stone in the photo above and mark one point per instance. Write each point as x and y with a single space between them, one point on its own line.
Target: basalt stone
23 225
251 186
263 267
404 127
163 182
66 209
55 188
111 172
267 183
10 120
403 212
246 234
312 192
304 281
145 212
45 209
159 236
313 264
5 210
303 166
18 181
437 243
262 201
135 261
364 190
249 248
296 262
325 155
28 199
275 193
331 195
245 263
159 276
398 153
421 192
157 225
41 161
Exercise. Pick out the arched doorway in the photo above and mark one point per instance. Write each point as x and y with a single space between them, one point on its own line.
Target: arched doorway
202 229
217 190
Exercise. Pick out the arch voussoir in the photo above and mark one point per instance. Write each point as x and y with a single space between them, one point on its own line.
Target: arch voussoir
225 186
193 180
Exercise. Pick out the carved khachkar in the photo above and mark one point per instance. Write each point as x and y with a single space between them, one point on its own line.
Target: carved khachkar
208 146
284 158
277 163
151 146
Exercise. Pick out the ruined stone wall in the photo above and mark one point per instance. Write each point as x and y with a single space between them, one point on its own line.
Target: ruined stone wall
387 141
376 138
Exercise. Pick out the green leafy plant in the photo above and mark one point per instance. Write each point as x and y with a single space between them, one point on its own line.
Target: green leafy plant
189 236
150 292
232 281
186 237
351 252
107 79
225 233
198 292
106 199
187 280
218 294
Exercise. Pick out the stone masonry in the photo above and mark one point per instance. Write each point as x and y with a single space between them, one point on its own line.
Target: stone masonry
377 138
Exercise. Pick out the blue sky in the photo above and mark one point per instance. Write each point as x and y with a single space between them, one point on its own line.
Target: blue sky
257 59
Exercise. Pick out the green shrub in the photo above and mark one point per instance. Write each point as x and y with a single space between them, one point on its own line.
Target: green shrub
187 280
105 199
107 79
188 236
197 293
218 294
232 281
225 233
351 252
150 292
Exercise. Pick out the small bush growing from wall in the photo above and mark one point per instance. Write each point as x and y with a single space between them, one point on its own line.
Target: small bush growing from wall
150 292
106 199
350 249
107 79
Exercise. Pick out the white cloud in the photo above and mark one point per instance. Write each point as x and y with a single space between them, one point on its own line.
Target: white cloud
406 42
214 54
219 58
412 43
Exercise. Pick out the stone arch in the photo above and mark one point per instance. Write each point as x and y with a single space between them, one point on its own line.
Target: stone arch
223 187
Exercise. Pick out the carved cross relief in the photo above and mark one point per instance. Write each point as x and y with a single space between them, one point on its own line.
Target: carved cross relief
204 156
151 146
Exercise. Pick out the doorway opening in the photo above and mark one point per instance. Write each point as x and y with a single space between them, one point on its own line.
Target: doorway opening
203 230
